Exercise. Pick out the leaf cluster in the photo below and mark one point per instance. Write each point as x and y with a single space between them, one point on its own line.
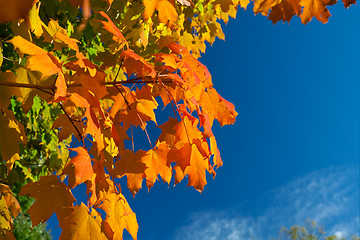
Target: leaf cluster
94 72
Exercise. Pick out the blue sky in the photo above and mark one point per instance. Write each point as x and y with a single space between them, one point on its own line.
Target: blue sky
293 152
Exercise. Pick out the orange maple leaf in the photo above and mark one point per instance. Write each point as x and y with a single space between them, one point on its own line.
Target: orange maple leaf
157 164
168 131
139 108
79 169
50 196
263 6
215 151
110 27
315 8
119 216
166 9
100 184
197 169
134 64
181 156
217 107
187 130
131 166
190 161
93 125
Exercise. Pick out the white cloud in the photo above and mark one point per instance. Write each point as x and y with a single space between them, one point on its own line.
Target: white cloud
216 225
329 196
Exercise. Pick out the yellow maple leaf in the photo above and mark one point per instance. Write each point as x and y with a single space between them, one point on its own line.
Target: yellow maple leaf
6 223
43 62
11 202
14 132
80 223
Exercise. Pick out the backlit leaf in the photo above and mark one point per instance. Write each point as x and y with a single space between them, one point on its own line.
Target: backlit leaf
131 166
79 169
51 196
80 223
119 216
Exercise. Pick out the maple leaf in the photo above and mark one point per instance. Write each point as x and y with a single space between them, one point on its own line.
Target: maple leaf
215 151
190 161
157 164
285 10
80 223
43 62
263 6
100 185
187 130
131 166
135 64
110 27
34 20
166 9
15 9
66 128
197 169
14 133
139 108
181 156
6 93
25 95
51 196
6 222
217 107
315 8
9 209
11 202
94 84
347 3
89 102
224 4
119 216
168 131
79 169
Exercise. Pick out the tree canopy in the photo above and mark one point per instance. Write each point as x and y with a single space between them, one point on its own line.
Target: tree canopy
77 79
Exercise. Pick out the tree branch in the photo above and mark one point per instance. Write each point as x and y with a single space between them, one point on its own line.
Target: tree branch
114 83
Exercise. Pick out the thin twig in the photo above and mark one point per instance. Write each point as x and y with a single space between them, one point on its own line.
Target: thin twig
187 134
147 135
132 138
77 130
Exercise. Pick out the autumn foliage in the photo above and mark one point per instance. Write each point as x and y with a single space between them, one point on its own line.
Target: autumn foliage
105 69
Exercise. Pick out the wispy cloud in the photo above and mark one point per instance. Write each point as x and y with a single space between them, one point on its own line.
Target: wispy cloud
329 196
